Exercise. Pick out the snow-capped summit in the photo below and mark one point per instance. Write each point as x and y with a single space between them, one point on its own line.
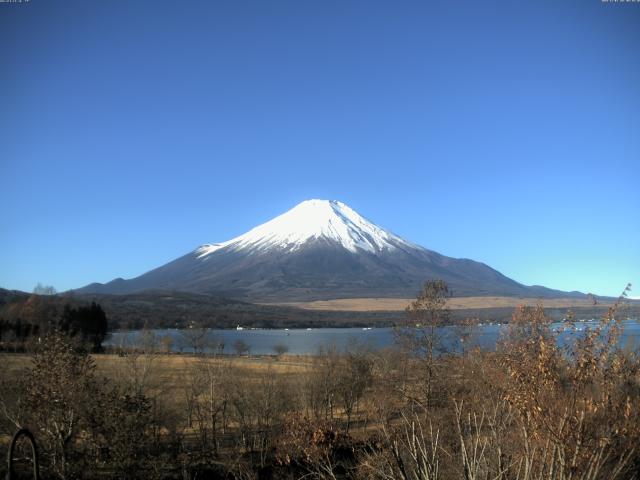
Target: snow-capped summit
309 221
318 250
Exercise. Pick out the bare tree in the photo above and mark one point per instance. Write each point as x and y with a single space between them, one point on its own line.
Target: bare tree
197 337
426 315
259 407
280 349
167 343
140 357
321 385
465 335
207 397
41 289
241 347
354 376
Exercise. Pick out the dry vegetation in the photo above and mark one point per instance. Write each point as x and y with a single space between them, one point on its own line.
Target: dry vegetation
529 410
455 303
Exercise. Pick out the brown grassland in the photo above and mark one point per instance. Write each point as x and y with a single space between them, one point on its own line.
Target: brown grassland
455 303
170 370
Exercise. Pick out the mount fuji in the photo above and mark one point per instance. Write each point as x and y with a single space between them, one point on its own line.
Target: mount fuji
319 250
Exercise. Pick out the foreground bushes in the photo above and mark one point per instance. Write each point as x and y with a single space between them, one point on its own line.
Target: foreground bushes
530 410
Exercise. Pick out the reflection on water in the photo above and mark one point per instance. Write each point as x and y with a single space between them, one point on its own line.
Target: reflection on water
308 341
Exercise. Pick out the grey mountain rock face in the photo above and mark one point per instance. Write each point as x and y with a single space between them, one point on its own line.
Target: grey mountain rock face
319 250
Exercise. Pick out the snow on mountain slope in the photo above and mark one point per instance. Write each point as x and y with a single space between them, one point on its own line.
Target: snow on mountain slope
314 220
318 250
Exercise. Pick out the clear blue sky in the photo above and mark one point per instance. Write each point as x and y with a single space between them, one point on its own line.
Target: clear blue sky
507 132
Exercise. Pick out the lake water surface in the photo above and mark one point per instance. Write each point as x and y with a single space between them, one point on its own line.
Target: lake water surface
309 341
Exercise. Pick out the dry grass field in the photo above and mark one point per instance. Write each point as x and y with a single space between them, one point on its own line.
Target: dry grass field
459 303
171 370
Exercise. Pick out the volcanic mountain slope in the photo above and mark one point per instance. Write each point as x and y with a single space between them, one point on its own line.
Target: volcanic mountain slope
318 250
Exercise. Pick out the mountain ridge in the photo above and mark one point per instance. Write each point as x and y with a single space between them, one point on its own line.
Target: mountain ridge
318 250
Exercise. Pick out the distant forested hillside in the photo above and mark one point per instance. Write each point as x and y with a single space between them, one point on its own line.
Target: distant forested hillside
25 318
180 309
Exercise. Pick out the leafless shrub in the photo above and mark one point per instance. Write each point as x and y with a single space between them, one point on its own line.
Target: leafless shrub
311 446
578 415
408 451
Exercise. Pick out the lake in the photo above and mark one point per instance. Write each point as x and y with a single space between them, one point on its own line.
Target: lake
308 341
